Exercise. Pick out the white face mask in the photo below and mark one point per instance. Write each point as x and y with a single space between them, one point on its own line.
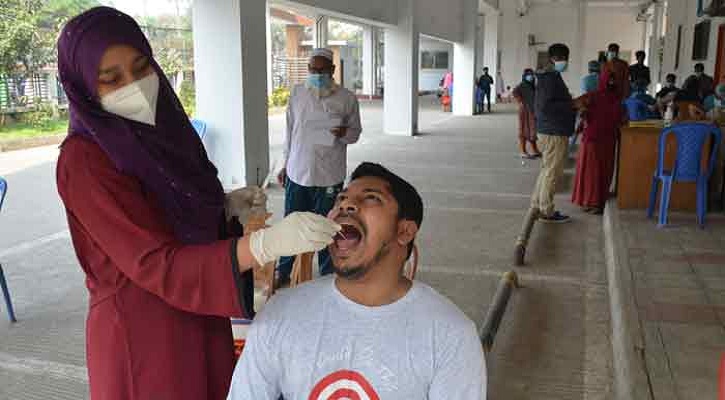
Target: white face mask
135 101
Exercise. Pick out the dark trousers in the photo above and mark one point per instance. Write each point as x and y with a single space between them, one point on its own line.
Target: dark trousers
318 200
485 96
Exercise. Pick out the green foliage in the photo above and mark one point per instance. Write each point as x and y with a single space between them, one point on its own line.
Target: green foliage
171 40
279 97
187 97
42 118
28 31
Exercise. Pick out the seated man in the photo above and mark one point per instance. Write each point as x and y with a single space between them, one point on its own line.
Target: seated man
369 332
640 105
669 86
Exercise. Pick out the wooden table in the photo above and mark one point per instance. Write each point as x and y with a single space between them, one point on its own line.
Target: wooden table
637 163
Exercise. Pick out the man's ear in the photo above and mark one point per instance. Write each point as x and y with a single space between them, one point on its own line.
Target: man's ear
407 230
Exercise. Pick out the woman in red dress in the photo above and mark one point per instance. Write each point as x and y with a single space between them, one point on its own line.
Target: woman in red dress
146 215
603 113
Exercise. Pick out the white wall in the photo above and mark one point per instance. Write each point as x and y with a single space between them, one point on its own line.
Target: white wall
684 12
440 18
612 25
585 34
428 79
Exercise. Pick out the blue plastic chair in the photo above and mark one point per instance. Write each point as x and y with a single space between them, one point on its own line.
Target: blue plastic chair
199 127
3 283
691 137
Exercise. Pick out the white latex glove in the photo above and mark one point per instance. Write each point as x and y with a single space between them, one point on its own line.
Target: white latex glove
242 203
298 233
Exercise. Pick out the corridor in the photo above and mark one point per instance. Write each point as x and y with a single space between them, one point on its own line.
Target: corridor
553 342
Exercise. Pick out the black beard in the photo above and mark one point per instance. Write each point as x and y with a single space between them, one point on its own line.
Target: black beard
355 273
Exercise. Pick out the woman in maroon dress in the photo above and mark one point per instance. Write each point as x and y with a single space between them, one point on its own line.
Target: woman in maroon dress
524 94
603 113
146 215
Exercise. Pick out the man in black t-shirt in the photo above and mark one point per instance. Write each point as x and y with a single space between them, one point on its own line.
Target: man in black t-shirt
639 72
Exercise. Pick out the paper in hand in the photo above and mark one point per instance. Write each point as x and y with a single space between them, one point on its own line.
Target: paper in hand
318 128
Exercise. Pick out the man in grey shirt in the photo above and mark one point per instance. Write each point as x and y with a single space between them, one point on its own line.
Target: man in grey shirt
368 333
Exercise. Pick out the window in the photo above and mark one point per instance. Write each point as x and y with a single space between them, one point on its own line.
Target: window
441 60
434 60
702 41
679 45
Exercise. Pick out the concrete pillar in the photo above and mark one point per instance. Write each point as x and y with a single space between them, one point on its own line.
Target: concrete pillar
51 83
400 105
337 62
464 62
480 44
321 34
654 48
369 61
490 56
578 46
229 52
293 39
268 23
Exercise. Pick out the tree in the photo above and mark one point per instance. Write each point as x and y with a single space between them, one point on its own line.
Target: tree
28 32
171 40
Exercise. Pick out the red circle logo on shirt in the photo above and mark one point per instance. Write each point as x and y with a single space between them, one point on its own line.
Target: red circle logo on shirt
343 385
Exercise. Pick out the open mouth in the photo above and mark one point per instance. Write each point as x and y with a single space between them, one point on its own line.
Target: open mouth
348 238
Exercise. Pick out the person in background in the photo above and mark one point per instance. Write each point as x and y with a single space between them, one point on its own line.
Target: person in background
595 166
618 69
590 81
687 101
715 100
555 116
640 105
639 72
506 97
323 118
484 85
164 268
667 94
500 86
669 87
705 83
524 94
448 83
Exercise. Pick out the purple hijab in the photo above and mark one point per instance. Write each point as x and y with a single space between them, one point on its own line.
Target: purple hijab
169 158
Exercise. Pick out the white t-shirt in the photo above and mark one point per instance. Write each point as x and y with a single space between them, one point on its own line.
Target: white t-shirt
313 343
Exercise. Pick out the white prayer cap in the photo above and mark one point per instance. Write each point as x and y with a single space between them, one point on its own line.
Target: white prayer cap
321 52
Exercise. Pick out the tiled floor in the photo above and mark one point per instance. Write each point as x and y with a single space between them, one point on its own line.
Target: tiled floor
679 275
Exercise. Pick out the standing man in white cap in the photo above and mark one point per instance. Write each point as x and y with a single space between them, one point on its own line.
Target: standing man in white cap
322 119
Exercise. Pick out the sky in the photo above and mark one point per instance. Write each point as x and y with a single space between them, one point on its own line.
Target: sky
149 7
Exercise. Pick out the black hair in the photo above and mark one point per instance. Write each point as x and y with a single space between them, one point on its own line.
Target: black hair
640 53
613 47
485 68
559 50
699 67
671 77
410 205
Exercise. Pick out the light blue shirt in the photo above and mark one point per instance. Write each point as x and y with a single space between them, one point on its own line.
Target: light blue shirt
590 83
